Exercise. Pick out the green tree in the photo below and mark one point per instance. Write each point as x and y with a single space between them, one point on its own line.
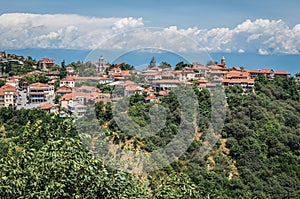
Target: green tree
125 66
2 83
164 65
180 65
63 70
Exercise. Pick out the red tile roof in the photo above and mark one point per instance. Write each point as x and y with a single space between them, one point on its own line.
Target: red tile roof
68 79
64 88
151 97
167 81
7 88
236 74
133 88
38 84
46 106
199 67
122 73
281 73
260 71
47 60
202 81
163 93
238 81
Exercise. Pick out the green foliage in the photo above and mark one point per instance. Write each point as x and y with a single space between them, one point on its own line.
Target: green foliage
164 65
180 65
2 83
87 70
43 156
104 88
12 69
125 66
56 99
32 78
63 70
210 63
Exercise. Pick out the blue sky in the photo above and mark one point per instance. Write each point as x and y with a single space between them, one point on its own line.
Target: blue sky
231 26
163 13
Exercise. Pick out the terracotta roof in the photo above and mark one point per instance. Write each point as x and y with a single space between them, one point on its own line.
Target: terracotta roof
46 106
151 97
215 67
218 72
12 81
232 74
236 68
151 74
260 71
64 88
35 72
86 78
67 79
67 97
238 81
202 81
104 78
163 93
7 88
126 83
122 73
167 69
199 67
133 88
167 81
47 60
38 85
56 72
76 95
281 73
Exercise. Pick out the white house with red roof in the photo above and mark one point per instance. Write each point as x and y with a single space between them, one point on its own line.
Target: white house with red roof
70 81
8 95
39 92
46 63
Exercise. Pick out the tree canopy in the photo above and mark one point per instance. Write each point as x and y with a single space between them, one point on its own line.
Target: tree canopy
257 154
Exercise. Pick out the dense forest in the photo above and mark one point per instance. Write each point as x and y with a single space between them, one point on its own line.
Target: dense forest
257 155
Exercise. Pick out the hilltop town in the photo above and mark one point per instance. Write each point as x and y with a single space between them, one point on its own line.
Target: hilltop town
69 89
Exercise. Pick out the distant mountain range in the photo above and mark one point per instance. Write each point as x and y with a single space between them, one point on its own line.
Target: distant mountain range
139 59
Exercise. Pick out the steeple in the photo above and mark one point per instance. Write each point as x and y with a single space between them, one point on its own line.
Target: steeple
223 61
101 64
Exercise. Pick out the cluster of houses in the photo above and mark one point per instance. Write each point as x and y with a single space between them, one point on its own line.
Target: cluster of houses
75 95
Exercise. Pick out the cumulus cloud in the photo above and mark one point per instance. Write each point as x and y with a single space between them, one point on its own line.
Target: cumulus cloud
263 36
22 30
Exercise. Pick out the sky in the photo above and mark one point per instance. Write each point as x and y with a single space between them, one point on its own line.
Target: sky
214 26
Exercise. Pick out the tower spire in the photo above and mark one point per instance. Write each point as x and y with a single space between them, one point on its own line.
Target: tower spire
223 61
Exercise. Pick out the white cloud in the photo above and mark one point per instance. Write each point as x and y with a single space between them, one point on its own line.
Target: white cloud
241 51
262 51
264 36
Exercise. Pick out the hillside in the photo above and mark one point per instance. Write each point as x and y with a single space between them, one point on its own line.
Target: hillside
257 155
